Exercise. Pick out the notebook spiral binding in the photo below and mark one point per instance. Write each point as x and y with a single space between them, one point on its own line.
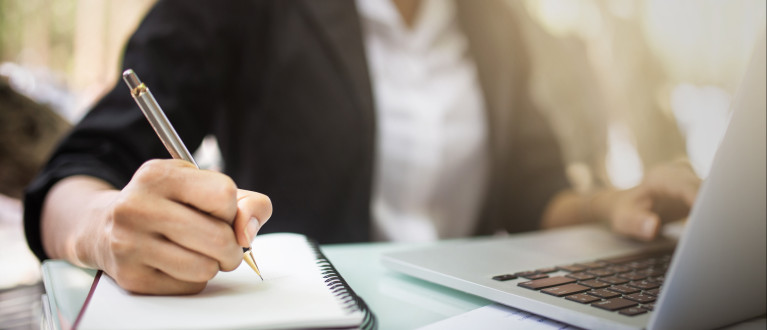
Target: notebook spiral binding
340 288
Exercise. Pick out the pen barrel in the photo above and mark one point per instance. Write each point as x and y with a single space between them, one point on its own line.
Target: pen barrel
162 126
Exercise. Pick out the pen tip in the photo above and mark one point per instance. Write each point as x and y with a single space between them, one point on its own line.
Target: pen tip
248 257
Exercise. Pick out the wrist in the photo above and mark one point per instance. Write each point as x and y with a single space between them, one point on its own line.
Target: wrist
601 204
90 245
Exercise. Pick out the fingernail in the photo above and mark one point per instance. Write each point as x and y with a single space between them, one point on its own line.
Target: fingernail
251 229
648 228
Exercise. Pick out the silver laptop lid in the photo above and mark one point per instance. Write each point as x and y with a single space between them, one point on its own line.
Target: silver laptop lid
718 273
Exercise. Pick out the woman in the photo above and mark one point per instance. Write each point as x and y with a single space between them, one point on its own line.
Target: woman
402 120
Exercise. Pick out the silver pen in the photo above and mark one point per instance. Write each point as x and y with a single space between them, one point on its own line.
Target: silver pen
168 135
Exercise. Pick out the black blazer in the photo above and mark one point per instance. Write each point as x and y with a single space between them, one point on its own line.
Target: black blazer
284 86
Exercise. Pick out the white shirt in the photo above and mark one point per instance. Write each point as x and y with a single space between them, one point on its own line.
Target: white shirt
431 158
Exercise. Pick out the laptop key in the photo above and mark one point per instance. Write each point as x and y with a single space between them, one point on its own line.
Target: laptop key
631 311
546 270
614 280
623 289
635 276
504 277
604 293
657 272
658 279
535 276
582 298
652 272
581 276
649 307
546 282
653 292
644 285
567 289
614 304
594 284
574 268
600 272
643 264
640 298
623 259
526 273
620 269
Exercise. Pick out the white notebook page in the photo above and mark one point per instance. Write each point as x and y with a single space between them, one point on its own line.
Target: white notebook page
293 295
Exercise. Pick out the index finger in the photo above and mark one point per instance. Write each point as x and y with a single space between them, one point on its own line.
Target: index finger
676 182
210 192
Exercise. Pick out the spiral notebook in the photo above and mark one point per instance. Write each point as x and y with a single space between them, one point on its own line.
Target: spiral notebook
301 289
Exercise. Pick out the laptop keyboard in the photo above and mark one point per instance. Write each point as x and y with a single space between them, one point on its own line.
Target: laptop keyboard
627 284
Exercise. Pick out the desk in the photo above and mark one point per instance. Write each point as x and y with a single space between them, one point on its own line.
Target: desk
404 302
399 301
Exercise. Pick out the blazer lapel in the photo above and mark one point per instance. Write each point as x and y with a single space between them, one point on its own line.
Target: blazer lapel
493 54
339 25
501 71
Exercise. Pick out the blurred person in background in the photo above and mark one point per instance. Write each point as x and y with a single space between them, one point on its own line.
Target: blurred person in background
397 120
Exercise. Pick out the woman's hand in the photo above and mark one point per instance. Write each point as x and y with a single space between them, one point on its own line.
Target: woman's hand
169 231
667 193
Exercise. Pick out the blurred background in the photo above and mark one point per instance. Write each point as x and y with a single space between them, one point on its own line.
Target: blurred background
627 84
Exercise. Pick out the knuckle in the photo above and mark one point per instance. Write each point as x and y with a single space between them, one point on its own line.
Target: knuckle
131 280
231 261
226 189
125 206
122 248
222 237
206 270
152 171
222 198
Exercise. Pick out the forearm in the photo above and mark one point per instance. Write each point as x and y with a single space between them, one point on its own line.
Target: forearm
73 218
570 208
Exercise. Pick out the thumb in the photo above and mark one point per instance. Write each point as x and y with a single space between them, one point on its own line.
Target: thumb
253 210
638 223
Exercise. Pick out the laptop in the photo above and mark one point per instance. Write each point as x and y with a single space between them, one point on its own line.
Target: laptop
713 276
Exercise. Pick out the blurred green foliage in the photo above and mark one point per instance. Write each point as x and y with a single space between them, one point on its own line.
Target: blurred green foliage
38 31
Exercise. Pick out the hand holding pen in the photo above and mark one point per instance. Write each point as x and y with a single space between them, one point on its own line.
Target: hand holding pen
172 228
173 143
